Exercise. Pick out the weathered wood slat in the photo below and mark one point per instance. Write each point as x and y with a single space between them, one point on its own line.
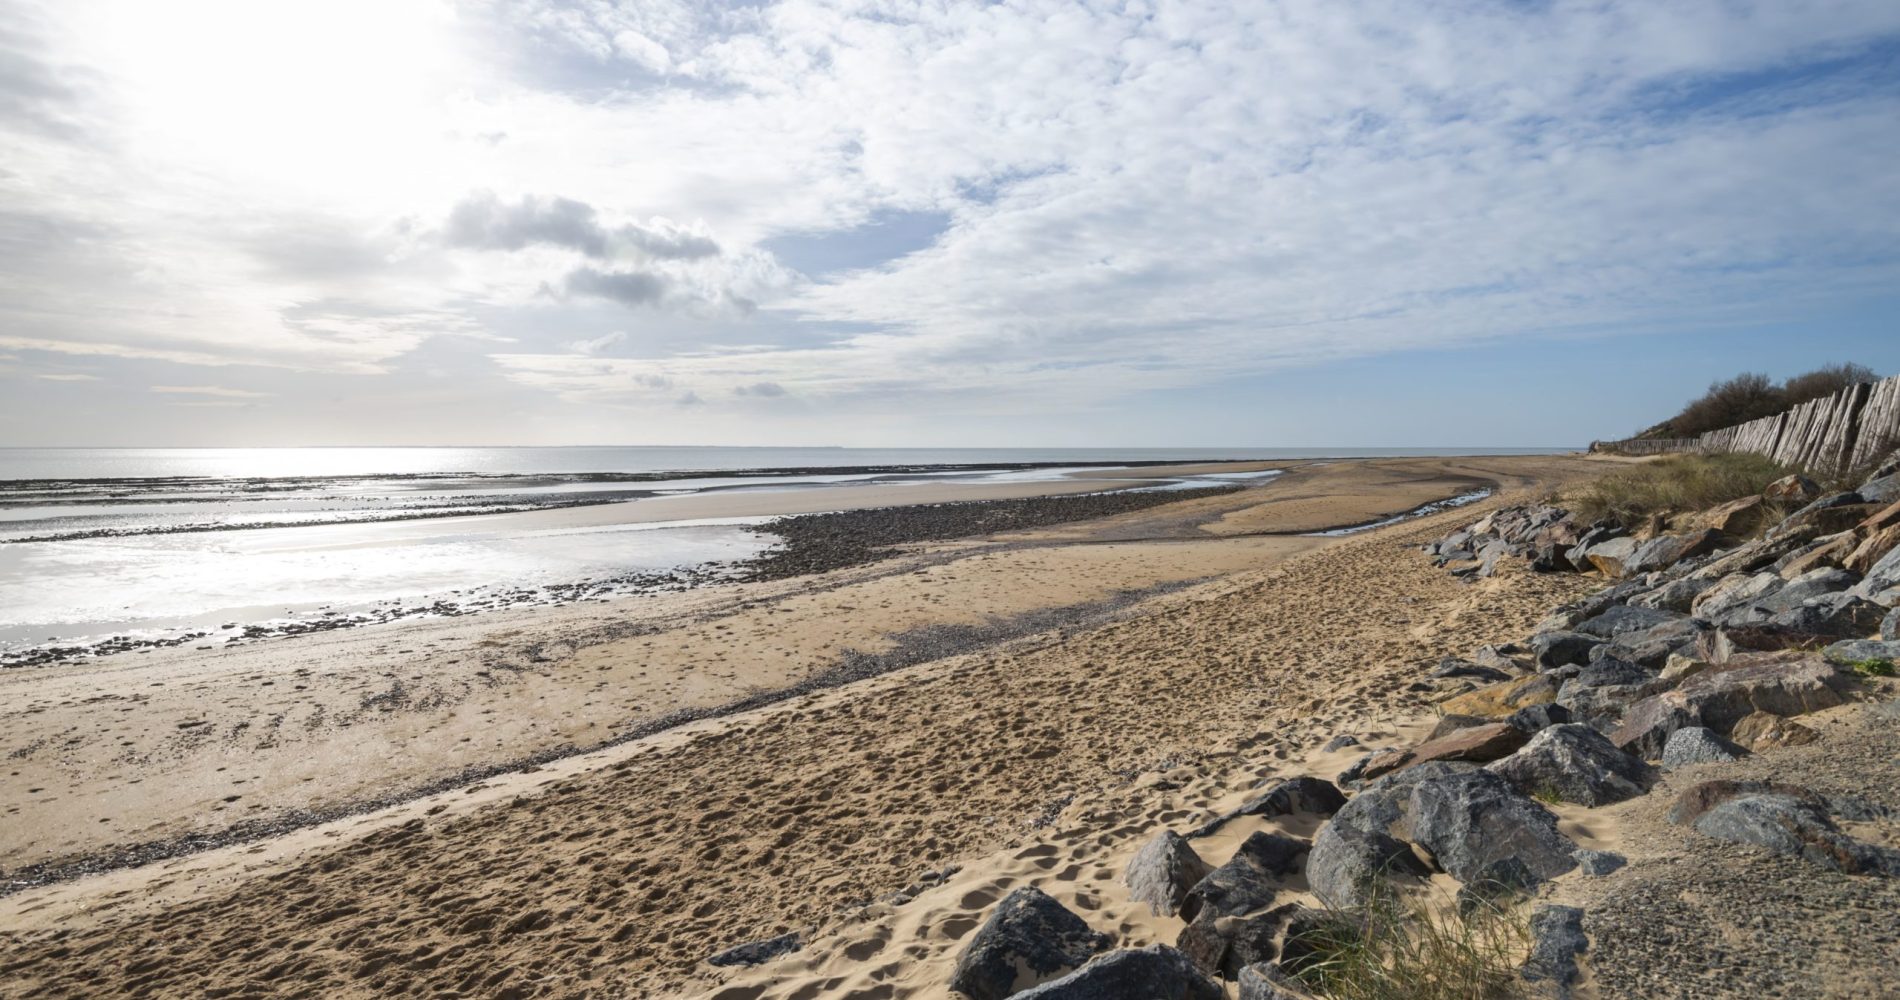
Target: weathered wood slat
1851 428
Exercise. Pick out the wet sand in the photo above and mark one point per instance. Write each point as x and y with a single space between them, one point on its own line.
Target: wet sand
615 873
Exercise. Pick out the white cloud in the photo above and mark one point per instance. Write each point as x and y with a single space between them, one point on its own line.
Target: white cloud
209 390
1138 197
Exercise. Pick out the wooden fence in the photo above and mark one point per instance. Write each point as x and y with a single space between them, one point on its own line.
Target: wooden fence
1846 430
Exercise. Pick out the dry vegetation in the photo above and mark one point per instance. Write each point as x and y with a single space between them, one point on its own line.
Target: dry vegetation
1403 948
1675 484
1753 395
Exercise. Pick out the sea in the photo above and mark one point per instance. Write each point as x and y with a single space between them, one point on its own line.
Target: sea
107 549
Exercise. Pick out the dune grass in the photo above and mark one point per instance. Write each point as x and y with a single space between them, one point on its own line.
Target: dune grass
1400 947
1672 485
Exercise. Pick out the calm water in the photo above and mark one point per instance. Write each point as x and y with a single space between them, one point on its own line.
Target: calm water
178 541
118 463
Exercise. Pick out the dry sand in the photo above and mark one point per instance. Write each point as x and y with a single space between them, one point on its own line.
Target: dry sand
616 872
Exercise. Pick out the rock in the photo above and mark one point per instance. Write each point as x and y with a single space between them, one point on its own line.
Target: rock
1222 946
1314 936
1795 489
1028 938
1599 863
1697 745
1265 981
1503 879
1156 972
1886 489
1790 683
1696 800
1679 666
1732 595
1478 744
1798 591
1347 861
1601 691
1867 553
1822 553
1452 666
1609 557
1296 795
1831 615
1162 872
1664 551
1881 578
1831 514
1556 940
1647 724
1737 517
1497 659
1763 731
1575 763
1274 853
757 952
1870 655
1796 826
1497 701
1448 724
1724 644
1890 626
1556 649
1235 889
1676 595
1533 718
1468 820
1338 743
1622 618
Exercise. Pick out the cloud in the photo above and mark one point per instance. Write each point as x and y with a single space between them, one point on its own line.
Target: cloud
597 344
209 390
69 377
629 288
483 221
762 389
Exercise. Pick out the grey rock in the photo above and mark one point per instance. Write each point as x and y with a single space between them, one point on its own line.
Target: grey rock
1698 745
1276 854
1469 820
1346 862
1557 939
1340 742
1729 600
1162 873
1882 577
1785 684
1576 764
1534 718
1619 619
1886 489
1027 938
1612 556
1303 794
1448 724
1452 666
1890 626
1798 827
1265 981
1556 649
757 952
1223 946
1647 724
1676 595
1840 615
1235 889
1599 863
1853 652
1501 880
1798 591
1156 972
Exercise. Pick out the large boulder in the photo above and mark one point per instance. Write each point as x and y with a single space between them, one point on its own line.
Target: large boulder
1790 683
1866 553
1347 862
1470 819
1832 513
1620 619
1265 981
1831 615
1664 551
1765 731
1162 872
1886 489
1737 517
1222 946
1315 796
1497 701
1611 557
1484 742
1561 648
1648 724
1882 581
1698 745
1314 937
1575 763
1676 595
1156 972
1827 551
1248 881
1733 595
1874 656
1890 626
1822 582
1027 939
1796 826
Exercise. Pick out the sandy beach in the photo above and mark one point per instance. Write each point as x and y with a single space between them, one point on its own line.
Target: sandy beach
589 800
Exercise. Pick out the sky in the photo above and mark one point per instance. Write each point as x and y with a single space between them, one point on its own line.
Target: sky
889 223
